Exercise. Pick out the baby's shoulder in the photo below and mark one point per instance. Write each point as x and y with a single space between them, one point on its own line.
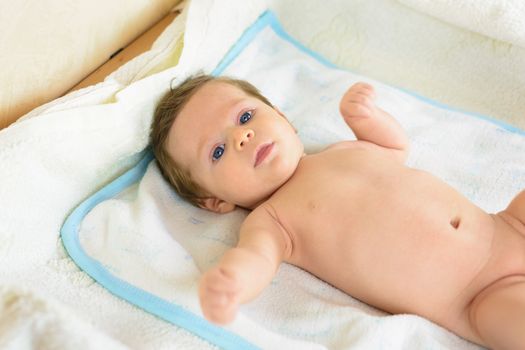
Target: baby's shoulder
356 144
266 220
369 148
265 215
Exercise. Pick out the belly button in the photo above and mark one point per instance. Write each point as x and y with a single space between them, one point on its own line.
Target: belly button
455 222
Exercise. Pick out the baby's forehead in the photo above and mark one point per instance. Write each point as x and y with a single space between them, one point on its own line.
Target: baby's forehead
222 87
215 96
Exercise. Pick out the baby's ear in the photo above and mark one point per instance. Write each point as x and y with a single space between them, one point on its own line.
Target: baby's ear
216 205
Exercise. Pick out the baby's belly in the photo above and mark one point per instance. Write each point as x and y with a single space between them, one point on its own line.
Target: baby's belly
420 270
435 274
415 248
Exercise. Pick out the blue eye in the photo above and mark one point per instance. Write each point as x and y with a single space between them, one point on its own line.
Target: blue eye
218 152
245 117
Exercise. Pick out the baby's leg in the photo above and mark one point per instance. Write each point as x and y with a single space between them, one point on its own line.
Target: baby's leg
516 208
497 314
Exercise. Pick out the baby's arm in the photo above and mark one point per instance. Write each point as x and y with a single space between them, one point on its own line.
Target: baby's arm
370 123
245 270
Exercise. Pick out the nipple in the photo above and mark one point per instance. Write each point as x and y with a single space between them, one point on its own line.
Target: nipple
455 222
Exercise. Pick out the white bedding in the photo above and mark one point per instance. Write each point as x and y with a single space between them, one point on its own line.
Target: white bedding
49 46
63 152
149 247
498 19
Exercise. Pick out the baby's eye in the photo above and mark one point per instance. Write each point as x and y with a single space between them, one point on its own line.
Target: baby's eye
245 117
218 152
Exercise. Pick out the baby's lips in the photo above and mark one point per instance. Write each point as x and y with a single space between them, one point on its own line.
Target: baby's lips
261 152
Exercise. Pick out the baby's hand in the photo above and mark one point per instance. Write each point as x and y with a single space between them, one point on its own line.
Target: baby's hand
358 102
219 292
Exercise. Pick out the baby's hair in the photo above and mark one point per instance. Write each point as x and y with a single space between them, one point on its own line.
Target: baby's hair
169 107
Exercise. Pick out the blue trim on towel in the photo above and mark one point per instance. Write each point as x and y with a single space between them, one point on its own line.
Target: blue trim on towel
492 120
166 310
268 18
169 311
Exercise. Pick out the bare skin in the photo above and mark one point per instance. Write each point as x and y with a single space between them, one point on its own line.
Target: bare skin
441 257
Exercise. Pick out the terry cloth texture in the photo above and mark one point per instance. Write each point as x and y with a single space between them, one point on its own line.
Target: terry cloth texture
149 247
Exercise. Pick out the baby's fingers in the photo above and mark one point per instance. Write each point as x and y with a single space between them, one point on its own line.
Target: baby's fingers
362 88
358 102
219 293
218 307
221 314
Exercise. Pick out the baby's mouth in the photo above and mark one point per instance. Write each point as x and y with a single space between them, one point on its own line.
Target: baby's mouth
261 152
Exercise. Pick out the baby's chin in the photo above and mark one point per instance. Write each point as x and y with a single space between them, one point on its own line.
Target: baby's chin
282 170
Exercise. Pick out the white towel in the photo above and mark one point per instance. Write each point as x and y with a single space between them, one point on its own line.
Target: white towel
499 19
28 320
157 246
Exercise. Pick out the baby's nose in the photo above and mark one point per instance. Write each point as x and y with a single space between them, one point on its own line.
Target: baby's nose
241 137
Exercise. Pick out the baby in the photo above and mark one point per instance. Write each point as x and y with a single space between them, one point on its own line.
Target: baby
408 242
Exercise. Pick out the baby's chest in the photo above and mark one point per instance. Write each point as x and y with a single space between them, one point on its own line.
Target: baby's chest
340 200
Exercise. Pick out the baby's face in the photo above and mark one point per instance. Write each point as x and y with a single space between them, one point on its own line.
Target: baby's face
235 146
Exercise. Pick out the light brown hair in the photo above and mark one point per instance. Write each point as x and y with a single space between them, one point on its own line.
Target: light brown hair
168 108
